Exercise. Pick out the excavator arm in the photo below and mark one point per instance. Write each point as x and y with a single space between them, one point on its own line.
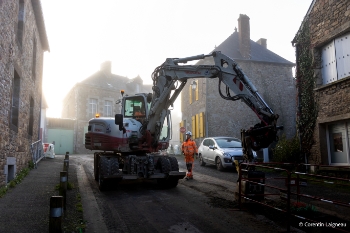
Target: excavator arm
170 78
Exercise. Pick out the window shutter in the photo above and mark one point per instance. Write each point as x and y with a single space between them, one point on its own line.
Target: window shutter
197 126
193 127
197 88
342 51
201 125
329 68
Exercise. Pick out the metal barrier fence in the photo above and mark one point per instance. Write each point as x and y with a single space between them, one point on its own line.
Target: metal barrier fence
37 152
288 184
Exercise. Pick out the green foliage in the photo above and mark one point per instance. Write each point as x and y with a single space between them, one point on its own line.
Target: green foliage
3 190
70 186
287 150
18 179
305 80
30 165
302 208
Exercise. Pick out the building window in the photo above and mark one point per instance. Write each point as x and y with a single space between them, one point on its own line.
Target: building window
31 117
92 108
34 60
336 59
338 142
20 23
108 108
15 100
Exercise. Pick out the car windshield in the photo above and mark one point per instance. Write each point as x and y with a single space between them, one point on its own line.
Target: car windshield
228 143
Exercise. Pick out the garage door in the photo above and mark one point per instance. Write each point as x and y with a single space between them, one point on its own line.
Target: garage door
63 139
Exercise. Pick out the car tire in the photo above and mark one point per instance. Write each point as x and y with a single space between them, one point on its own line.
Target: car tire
218 164
201 162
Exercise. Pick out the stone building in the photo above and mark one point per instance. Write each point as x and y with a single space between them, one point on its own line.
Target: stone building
206 114
23 41
97 94
327 24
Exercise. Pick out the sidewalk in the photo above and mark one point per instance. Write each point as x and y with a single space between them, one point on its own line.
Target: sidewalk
26 207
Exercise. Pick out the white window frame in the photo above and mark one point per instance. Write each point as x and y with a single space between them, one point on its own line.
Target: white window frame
92 107
108 108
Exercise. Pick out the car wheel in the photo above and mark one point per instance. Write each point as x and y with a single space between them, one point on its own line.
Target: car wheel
201 162
219 164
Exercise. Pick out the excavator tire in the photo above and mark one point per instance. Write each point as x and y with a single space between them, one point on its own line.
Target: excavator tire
103 170
173 164
107 166
165 165
96 161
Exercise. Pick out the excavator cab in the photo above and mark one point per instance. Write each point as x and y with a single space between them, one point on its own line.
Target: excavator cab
135 107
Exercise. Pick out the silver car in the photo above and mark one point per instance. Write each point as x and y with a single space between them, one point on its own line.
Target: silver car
219 151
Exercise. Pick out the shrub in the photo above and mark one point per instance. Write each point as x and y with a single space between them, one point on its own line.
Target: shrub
287 150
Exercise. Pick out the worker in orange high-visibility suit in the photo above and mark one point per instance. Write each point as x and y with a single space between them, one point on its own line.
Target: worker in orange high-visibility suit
189 149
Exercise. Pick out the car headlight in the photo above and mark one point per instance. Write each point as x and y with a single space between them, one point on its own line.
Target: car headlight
226 155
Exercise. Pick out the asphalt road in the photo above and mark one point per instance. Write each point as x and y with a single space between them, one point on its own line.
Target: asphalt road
205 204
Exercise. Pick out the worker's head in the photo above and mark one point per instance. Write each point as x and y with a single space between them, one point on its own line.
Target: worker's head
188 134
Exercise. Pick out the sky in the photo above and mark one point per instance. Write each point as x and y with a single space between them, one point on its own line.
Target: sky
138 35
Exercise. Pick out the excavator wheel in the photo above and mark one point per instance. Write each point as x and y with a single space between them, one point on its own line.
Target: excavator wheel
173 164
168 164
103 170
96 162
165 165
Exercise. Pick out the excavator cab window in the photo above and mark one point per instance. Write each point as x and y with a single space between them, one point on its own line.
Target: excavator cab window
135 108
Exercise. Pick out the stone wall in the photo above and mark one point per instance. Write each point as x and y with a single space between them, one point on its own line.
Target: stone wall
274 82
18 57
328 20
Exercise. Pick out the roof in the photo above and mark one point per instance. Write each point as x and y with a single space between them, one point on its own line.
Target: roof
39 18
102 80
230 47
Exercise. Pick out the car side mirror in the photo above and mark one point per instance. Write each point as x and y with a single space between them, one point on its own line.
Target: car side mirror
212 147
118 120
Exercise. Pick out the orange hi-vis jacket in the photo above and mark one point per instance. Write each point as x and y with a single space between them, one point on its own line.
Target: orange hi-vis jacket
189 148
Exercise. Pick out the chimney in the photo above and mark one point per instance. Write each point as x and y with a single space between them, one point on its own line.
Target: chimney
106 67
262 42
244 36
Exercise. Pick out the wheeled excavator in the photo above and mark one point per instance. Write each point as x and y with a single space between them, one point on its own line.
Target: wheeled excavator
133 144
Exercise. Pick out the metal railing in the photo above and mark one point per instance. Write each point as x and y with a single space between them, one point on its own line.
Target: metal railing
288 184
37 152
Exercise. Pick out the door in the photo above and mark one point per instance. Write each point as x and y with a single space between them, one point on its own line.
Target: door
211 152
338 143
63 140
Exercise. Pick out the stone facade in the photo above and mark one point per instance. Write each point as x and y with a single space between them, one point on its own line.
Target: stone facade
273 78
23 41
102 86
328 20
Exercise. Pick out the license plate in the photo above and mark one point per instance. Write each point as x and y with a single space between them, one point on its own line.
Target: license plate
97 144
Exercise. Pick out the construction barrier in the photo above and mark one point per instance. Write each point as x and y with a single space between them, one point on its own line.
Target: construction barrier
37 151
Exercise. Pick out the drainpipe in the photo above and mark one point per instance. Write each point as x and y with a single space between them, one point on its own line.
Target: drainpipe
41 98
206 110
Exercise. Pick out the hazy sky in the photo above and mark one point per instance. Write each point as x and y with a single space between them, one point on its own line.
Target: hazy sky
138 35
